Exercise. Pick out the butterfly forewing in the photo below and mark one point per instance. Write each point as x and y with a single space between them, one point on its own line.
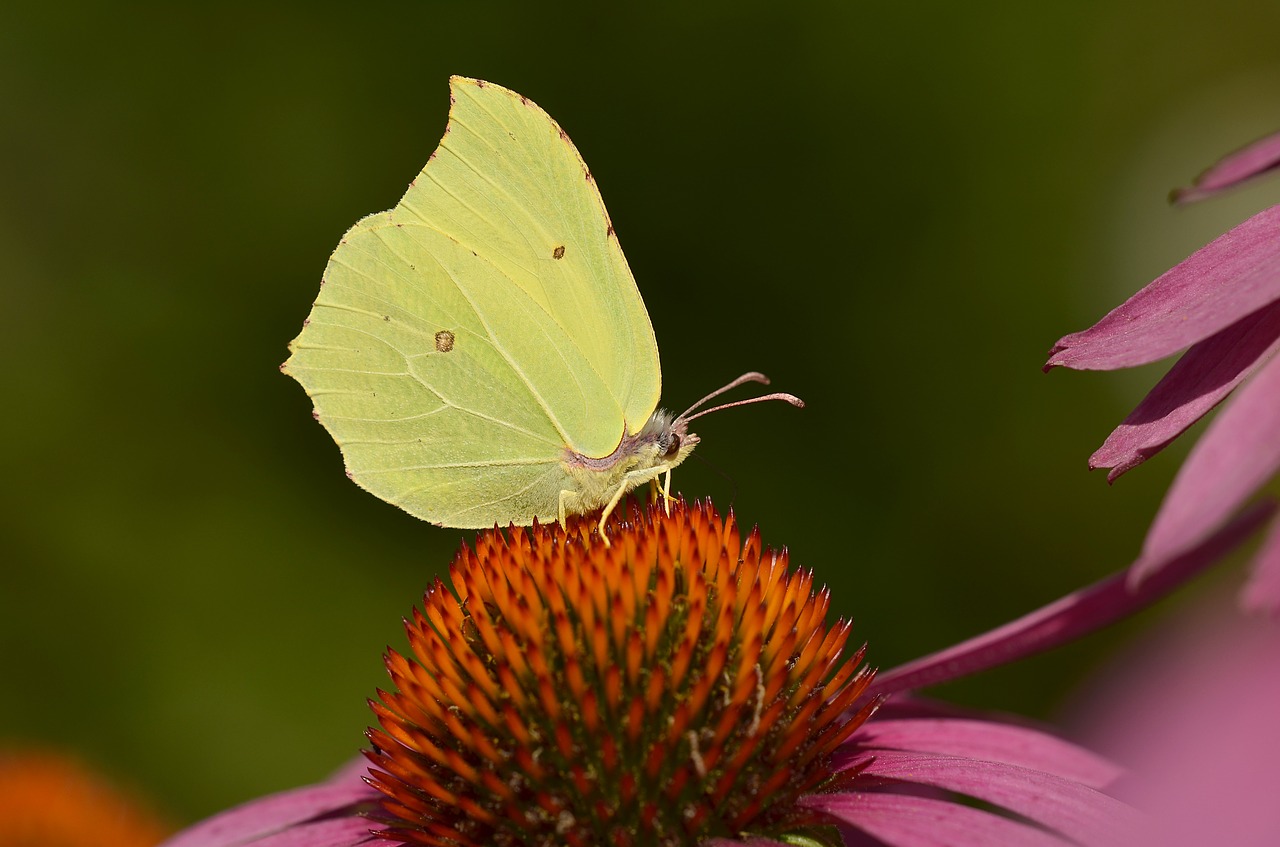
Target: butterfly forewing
509 185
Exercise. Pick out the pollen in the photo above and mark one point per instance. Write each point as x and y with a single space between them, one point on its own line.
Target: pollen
677 685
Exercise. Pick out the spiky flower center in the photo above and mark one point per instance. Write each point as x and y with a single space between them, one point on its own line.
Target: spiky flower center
676 685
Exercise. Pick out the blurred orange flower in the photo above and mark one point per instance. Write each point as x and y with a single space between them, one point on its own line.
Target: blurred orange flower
50 799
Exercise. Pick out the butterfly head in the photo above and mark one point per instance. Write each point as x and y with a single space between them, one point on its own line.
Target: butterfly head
665 440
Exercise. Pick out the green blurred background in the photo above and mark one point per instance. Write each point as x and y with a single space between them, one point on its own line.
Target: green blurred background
892 209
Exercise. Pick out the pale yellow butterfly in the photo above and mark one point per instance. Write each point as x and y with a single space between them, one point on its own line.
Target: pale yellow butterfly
480 352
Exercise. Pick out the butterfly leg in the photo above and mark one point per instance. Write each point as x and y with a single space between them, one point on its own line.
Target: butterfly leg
626 486
630 481
608 510
566 498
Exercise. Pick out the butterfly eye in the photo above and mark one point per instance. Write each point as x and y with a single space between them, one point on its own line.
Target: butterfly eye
672 445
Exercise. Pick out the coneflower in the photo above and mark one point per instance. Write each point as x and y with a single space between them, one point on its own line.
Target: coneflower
680 686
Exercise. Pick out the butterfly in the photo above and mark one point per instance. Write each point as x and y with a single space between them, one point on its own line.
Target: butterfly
480 352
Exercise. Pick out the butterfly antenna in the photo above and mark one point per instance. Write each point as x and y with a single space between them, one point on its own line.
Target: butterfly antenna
753 376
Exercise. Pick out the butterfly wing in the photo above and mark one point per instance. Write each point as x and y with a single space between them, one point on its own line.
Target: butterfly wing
464 339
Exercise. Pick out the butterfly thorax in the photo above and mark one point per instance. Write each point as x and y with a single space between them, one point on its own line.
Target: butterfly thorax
661 444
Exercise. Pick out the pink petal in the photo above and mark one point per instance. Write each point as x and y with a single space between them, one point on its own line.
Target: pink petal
1206 374
1253 160
1239 452
331 832
1074 810
904 821
1262 593
1194 710
266 820
913 707
1232 276
990 741
1069 618
353 770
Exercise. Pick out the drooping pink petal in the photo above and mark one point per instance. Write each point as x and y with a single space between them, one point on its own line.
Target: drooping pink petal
1262 592
904 821
1201 379
1237 454
1069 618
1194 712
1079 812
1232 276
322 815
1260 157
989 741
348 831
353 770
910 706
